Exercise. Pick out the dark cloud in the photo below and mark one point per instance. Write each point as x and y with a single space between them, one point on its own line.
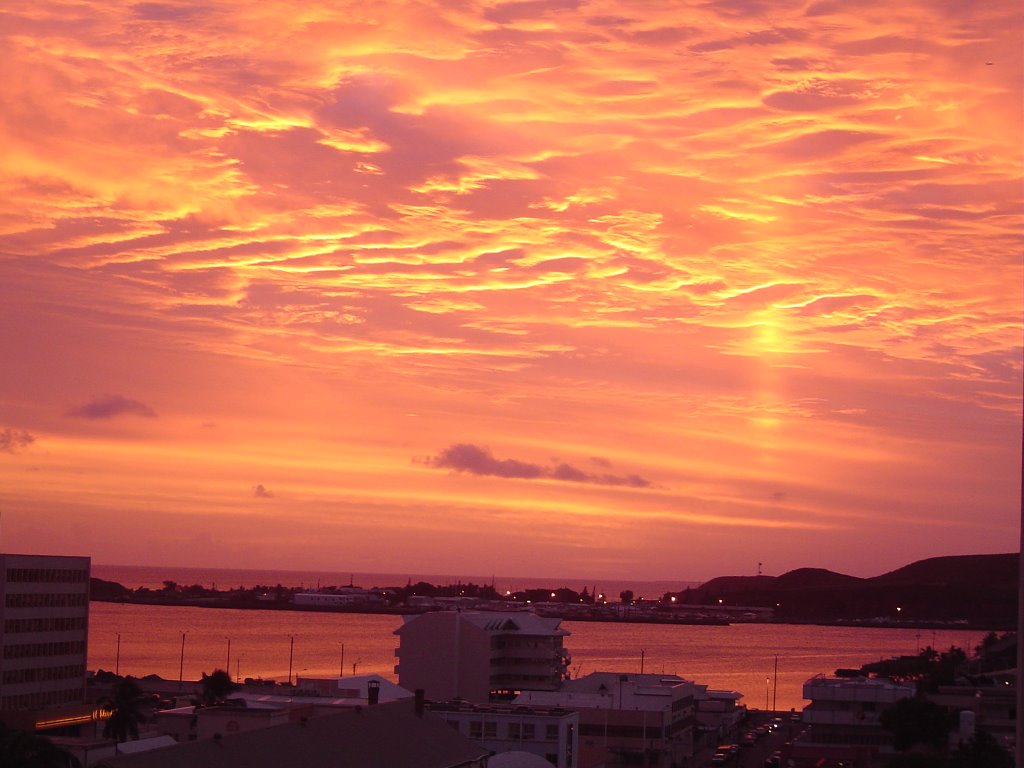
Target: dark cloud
624 88
466 457
807 101
111 406
775 36
162 12
505 13
13 440
795 64
821 145
261 492
825 8
663 35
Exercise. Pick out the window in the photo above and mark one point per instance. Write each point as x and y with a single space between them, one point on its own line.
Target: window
475 729
490 730
529 731
552 732
513 730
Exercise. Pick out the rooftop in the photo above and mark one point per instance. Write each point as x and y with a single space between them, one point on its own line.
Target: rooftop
384 736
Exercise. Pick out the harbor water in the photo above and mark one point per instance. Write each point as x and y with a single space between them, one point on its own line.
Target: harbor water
147 639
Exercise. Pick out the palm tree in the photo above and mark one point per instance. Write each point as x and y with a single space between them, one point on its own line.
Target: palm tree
215 688
24 749
125 707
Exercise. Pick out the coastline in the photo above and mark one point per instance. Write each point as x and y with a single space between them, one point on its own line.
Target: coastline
632 616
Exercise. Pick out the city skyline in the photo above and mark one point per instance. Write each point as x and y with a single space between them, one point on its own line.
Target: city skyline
581 289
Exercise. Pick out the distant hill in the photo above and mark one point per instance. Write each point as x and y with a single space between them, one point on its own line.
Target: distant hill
730 585
978 589
812 578
977 570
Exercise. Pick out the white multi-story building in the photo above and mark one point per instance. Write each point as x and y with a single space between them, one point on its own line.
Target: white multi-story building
845 720
480 657
627 718
44 629
845 708
548 732
719 712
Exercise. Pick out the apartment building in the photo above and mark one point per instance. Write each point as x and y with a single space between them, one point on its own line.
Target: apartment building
44 629
548 732
480 656
627 719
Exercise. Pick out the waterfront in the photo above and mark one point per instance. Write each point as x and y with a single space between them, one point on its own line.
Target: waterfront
153 577
738 657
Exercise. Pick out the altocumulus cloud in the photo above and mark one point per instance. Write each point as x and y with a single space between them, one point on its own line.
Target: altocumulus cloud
111 406
13 440
466 457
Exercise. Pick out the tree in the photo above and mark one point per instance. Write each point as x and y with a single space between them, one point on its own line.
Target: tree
626 595
23 749
983 751
914 721
125 705
215 688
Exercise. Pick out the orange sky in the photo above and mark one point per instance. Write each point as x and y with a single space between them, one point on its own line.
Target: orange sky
554 287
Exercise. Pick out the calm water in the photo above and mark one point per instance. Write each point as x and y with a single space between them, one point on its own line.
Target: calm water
738 657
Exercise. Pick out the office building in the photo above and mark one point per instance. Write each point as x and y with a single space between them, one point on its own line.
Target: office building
44 630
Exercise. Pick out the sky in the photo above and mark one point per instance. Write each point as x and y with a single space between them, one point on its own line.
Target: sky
586 288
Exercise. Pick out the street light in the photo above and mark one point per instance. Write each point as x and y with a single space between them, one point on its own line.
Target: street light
181 664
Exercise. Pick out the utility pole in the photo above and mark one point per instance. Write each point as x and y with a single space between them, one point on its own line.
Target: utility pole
181 663
775 688
291 656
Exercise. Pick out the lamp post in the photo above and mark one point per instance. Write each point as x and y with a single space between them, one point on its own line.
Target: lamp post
117 656
181 663
227 666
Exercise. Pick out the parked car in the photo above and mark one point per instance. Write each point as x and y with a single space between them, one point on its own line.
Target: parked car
720 758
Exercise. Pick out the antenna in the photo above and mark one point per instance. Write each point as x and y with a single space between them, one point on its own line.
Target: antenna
759 568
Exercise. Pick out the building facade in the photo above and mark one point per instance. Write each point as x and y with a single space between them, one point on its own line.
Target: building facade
480 657
845 721
628 719
44 630
547 732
